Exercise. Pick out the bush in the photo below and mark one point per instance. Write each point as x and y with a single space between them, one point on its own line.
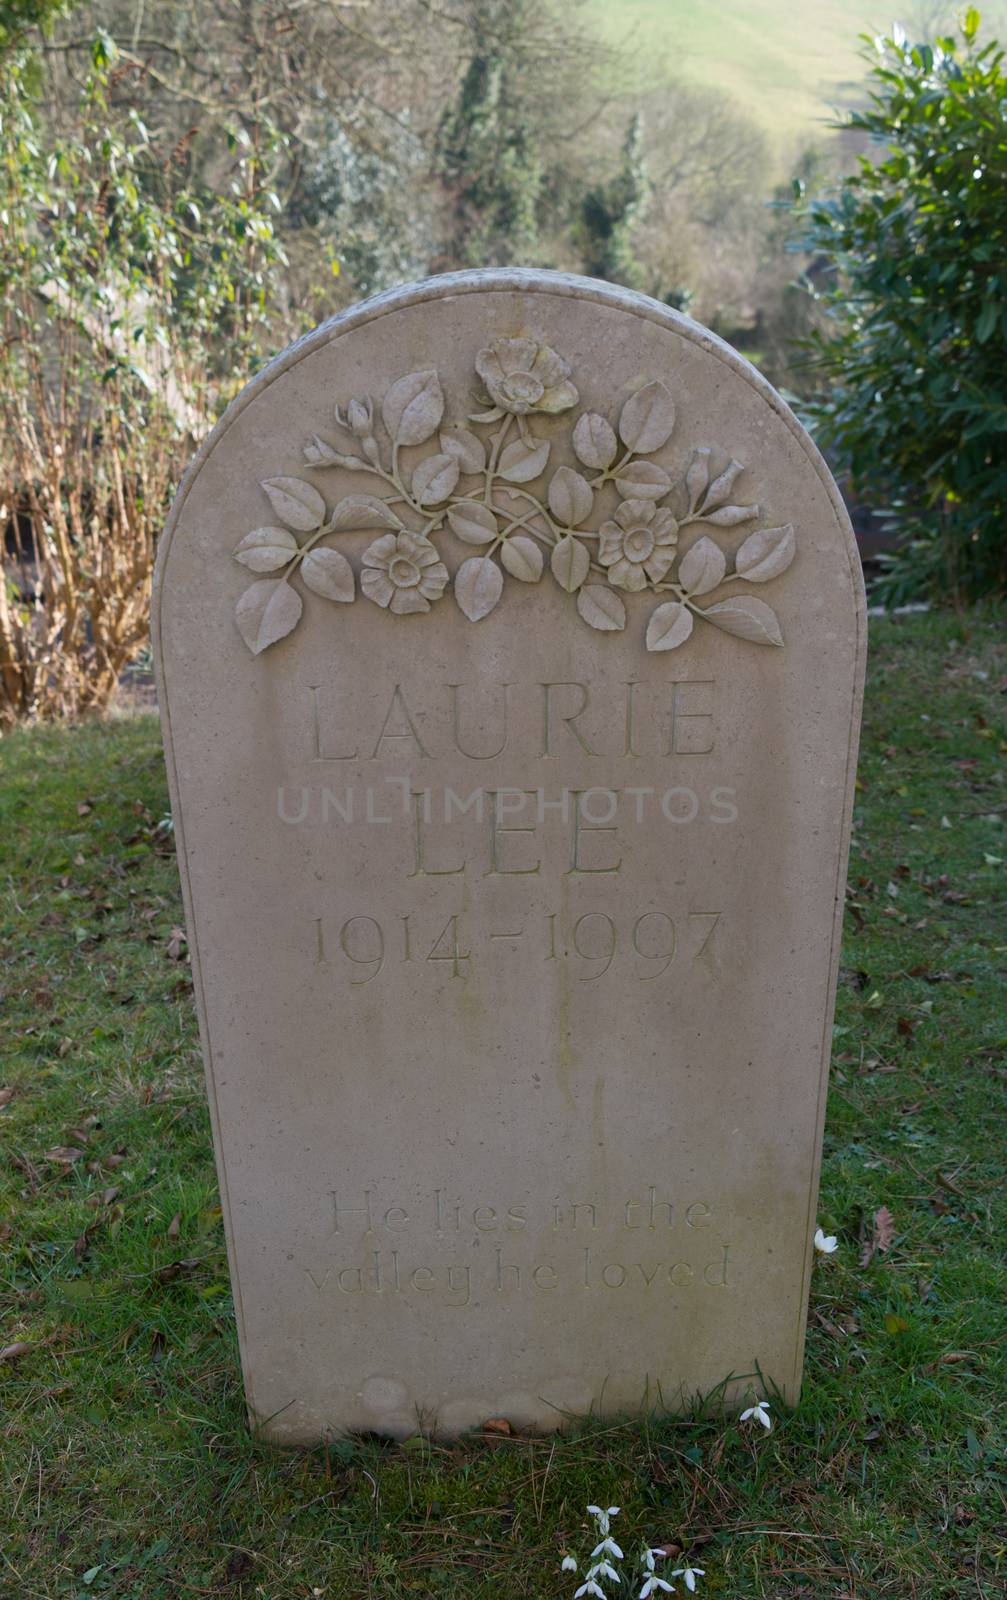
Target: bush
124 298
910 269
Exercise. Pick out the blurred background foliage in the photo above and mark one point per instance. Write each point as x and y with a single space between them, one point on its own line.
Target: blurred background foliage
186 185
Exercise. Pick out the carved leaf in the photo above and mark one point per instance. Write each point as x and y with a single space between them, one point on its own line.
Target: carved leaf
328 573
492 415
471 452
523 558
746 618
766 553
698 476
702 567
413 407
647 419
723 483
642 480
570 563
296 503
364 511
594 441
570 497
435 478
478 586
266 549
670 626
521 462
267 611
601 608
472 522
730 516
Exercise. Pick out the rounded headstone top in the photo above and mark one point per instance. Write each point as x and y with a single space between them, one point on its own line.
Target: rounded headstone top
460 440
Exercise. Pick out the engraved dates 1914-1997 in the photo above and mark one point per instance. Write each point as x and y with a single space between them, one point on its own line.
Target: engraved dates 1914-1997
611 531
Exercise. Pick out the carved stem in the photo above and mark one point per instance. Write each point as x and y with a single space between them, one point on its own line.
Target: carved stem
498 439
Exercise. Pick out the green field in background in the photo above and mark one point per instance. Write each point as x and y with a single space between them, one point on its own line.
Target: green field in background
790 67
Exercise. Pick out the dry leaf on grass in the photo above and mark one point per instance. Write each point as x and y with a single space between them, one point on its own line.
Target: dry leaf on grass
882 1234
65 1154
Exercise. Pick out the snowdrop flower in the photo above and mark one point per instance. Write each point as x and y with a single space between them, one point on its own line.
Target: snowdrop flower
568 1564
602 1517
601 1569
825 1244
590 1587
758 1413
690 1574
652 1585
608 1547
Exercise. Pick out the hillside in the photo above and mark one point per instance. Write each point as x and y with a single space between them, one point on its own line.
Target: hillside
790 68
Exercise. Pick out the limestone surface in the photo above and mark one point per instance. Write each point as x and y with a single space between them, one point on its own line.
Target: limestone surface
510 639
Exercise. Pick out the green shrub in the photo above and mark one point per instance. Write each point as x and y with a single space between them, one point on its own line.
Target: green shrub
909 267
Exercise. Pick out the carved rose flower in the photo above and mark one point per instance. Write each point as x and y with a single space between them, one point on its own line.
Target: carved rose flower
638 545
403 572
523 375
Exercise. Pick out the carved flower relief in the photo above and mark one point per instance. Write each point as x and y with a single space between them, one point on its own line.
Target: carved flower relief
523 376
403 572
639 545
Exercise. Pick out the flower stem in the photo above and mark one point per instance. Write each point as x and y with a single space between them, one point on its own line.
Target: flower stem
498 439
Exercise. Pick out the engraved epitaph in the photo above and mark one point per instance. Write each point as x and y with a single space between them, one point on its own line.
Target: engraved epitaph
510 642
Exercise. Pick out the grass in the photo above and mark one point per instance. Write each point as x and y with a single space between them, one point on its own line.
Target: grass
791 69
127 1468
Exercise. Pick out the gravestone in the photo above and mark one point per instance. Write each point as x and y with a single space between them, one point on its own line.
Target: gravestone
510 638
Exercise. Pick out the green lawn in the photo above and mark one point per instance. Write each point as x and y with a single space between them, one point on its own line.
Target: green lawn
789 67
127 1469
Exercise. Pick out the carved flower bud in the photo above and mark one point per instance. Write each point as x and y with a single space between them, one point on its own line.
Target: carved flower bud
370 448
359 415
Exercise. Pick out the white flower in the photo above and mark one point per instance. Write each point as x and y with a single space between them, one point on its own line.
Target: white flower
590 1587
568 1564
602 1517
690 1574
825 1243
759 1413
608 1547
652 1585
603 1570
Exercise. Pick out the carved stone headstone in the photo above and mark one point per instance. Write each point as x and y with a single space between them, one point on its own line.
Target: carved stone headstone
510 637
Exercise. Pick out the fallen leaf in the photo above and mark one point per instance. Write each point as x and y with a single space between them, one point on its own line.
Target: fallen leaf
66 1154
11 1352
174 1225
175 1269
176 944
6 1096
498 1425
882 1233
884 1229
84 808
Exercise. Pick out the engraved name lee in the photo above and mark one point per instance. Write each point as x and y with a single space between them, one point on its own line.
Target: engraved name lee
384 1247
508 832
